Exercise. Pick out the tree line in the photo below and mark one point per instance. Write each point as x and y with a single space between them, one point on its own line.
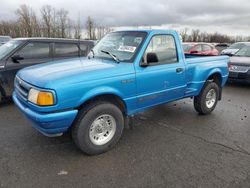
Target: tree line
197 36
50 23
54 23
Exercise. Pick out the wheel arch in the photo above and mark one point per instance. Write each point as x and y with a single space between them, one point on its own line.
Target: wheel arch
216 77
112 97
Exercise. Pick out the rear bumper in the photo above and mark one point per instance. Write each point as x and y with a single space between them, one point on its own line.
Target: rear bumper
49 124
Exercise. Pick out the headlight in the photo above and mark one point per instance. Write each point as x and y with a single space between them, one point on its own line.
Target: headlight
41 98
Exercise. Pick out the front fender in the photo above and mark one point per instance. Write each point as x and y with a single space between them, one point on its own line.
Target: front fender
105 90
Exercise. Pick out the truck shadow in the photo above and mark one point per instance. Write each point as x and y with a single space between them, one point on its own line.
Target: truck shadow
238 85
6 102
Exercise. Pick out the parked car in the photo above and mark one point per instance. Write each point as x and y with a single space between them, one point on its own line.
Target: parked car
20 53
231 50
127 72
239 66
221 46
200 49
4 39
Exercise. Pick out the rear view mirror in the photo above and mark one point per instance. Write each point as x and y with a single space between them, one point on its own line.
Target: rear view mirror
16 58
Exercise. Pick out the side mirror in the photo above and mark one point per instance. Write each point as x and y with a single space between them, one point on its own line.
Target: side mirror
16 58
194 52
151 58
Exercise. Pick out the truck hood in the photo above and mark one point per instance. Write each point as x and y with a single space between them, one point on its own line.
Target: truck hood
240 60
229 51
73 71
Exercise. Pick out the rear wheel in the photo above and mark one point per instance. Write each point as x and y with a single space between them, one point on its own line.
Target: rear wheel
207 100
98 127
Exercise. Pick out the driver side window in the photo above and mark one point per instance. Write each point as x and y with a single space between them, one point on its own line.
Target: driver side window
161 50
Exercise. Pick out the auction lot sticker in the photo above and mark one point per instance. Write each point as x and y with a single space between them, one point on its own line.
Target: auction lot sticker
130 49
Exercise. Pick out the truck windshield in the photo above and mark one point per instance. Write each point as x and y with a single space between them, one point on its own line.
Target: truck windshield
8 47
122 44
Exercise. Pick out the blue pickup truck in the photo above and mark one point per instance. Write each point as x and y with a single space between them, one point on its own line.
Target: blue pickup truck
126 72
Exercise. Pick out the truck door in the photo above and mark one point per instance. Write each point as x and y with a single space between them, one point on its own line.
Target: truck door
163 77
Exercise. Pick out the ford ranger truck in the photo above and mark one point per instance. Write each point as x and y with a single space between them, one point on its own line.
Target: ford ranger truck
126 72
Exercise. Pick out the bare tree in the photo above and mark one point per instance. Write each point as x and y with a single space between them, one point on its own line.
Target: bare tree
63 23
195 35
27 20
90 26
184 34
77 28
56 23
102 31
6 28
48 20
36 26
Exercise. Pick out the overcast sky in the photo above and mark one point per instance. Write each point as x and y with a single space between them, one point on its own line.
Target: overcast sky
227 16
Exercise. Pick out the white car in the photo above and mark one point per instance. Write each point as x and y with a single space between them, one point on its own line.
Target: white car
234 48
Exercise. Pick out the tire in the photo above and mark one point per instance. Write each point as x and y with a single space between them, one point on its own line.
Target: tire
203 106
93 123
1 97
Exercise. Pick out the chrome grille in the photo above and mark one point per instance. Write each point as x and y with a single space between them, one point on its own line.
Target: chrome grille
238 68
22 88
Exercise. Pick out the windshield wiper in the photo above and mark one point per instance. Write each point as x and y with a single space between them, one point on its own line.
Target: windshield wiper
111 55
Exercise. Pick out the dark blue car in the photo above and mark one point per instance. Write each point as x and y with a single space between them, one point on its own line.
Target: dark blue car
19 53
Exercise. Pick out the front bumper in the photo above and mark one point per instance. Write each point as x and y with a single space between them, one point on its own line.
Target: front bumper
49 124
239 77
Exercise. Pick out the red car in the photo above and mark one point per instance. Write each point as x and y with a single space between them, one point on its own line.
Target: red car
200 49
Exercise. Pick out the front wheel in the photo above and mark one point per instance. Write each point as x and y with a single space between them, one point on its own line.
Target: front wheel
207 100
1 96
98 128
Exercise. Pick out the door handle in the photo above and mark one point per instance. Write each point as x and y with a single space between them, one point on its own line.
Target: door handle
179 70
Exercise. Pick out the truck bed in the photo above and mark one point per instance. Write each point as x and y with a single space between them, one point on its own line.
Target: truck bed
191 58
197 69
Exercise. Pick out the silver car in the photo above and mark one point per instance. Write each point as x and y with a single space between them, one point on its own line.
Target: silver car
231 50
239 66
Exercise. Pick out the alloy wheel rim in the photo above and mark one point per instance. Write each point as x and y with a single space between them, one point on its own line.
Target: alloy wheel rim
211 98
102 130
